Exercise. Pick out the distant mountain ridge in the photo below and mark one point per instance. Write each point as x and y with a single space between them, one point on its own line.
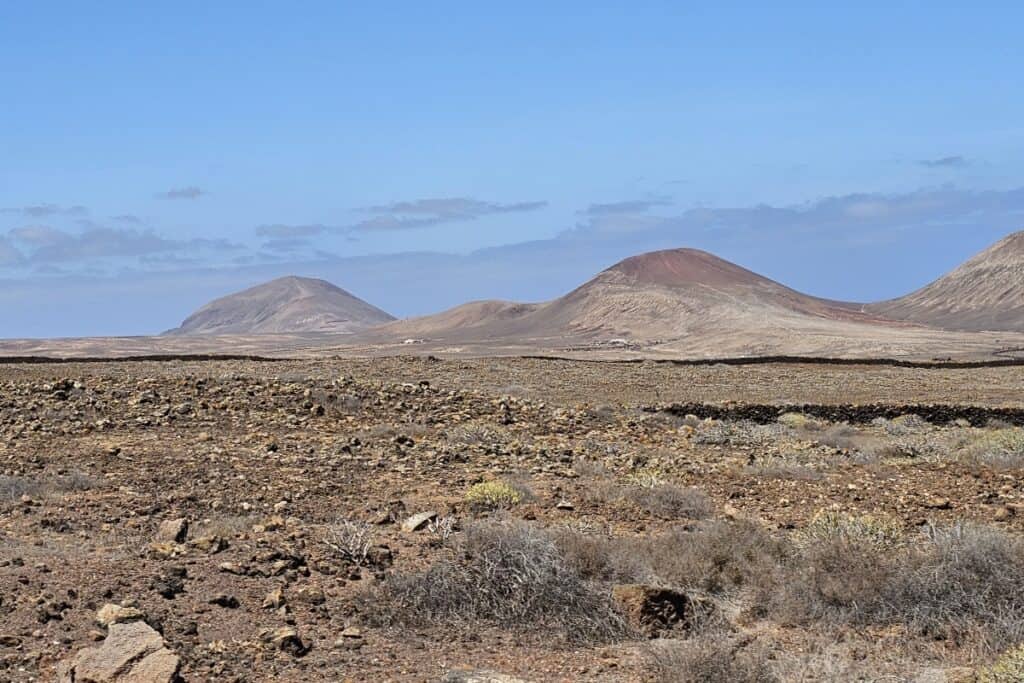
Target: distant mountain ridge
659 294
285 305
673 294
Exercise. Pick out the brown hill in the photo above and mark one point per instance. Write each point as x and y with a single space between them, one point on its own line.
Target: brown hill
659 295
985 293
286 305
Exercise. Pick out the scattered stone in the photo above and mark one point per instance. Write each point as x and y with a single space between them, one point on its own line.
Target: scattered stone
419 521
211 544
132 653
274 599
311 595
564 505
170 582
172 531
287 639
111 614
224 600
166 551
938 503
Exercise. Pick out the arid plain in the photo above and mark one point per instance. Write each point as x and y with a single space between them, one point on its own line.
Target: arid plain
417 519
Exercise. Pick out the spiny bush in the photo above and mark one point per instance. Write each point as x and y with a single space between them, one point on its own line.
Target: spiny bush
507 574
352 541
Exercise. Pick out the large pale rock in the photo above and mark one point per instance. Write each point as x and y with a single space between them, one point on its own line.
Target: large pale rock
419 520
172 531
132 653
116 614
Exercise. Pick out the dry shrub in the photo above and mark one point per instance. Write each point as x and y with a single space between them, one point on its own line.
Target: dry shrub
506 574
904 425
787 467
589 469
832 525
963 584
799 421
1000 449
14 487
709 659
670 501
715 557
351 540
224 525
842 437
738 433
477 434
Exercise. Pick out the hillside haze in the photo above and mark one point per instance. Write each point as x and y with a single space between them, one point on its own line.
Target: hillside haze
285 305
986 292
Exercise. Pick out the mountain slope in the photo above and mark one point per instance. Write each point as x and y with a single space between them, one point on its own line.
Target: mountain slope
658 295
285 305
985 293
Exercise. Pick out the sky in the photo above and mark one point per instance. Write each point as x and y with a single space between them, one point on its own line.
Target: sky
154 156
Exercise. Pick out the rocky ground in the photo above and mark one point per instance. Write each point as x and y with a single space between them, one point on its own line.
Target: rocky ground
270 521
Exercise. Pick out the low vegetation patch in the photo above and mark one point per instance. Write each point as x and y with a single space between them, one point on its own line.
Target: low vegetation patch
709 659
495 495
506 574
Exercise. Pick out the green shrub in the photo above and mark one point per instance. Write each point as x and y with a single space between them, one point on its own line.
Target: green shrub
493 495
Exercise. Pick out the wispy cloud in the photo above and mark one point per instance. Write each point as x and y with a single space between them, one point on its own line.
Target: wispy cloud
190 192
946 162
423 213
626 207
281 230
129 218
46 210
44 244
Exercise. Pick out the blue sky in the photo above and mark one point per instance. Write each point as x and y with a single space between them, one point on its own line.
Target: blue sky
423 154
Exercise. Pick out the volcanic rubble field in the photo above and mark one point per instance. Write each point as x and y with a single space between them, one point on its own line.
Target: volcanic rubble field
502 520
